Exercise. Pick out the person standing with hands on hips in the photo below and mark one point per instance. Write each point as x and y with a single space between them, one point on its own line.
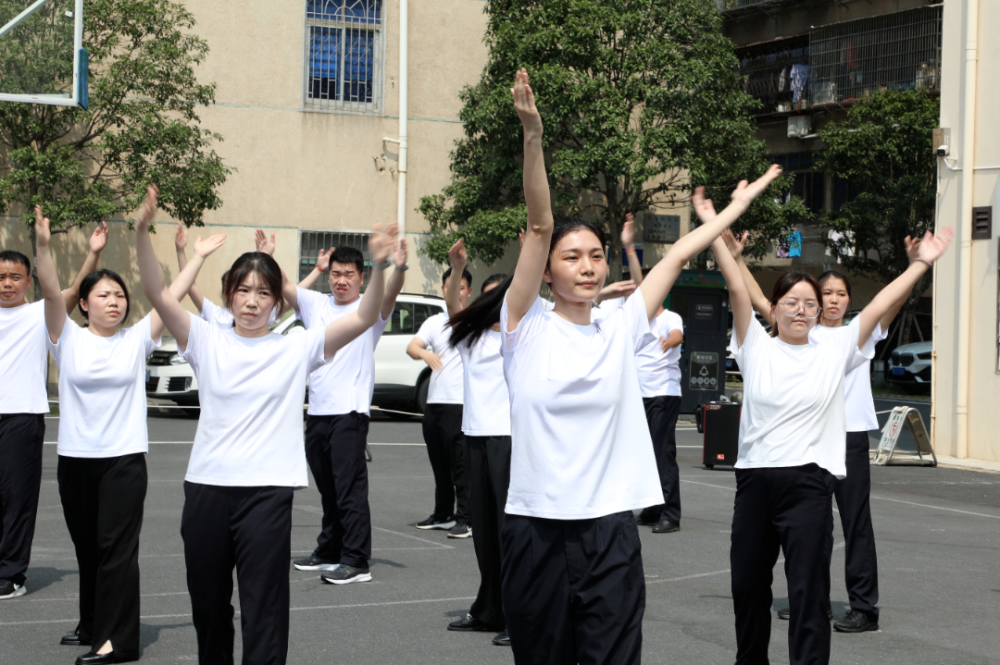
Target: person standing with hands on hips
442 422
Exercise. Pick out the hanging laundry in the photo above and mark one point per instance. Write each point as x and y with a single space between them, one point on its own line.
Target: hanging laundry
800 79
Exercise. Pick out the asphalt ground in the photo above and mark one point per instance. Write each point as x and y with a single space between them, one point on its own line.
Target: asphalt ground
938 533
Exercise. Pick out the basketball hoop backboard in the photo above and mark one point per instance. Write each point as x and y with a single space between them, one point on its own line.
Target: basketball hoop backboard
42 59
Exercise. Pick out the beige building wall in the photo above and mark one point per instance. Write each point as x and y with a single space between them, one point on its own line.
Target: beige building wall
981 324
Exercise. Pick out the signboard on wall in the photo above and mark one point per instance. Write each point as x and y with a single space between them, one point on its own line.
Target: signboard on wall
661 228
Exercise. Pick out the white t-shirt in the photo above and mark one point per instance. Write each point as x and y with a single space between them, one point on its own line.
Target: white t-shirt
448 382
251 392
487 403
580 444
859 405
659 372
222 317
23 359
347 381
793 398
102 390
598 312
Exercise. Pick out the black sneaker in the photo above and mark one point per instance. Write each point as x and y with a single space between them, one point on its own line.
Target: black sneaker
10 589
460 531
856 621
316 563
437 522
785 613
347 575
502 640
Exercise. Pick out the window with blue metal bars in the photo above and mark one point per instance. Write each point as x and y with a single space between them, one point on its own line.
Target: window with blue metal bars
346 53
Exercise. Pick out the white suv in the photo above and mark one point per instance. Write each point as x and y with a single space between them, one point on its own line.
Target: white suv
910 367
400 381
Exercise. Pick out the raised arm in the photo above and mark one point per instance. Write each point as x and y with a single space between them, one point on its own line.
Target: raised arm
535 253
394 285
736 244
458 258
628 246
739 297
264 244
912 252
98 241
930 248
322 265
662 276
343 330
55 305
180 242
168 307
183 282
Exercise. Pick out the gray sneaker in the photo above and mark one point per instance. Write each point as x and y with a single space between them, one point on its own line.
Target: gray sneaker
347 575
316 563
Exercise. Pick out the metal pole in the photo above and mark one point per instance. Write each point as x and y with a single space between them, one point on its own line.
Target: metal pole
404 110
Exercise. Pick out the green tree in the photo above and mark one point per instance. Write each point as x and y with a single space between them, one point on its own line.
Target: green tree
883 149
641 100
142 125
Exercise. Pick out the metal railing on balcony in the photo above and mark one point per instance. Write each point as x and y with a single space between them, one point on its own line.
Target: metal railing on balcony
776 73
854 59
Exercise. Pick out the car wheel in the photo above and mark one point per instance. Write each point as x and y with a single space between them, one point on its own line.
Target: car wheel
420 403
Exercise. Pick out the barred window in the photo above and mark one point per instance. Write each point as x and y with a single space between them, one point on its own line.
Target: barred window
310 242
345 40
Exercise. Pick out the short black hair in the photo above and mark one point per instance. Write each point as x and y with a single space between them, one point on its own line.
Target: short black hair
253 262
10 256
91 280
349 255
466 275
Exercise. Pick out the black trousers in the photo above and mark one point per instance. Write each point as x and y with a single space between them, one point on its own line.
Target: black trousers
21 436
102 500
446 450
335 449
249 528
854 502
487 467
788 509
573 591
661 415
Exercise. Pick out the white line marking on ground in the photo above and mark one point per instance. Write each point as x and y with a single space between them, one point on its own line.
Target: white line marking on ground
925 505
718 487
319 511
838 546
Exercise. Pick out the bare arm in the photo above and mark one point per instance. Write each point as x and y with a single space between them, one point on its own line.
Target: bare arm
617 290
394 284
98 241
736 245
322 265
930 249
417 349
675 338
458 258
628 246
912 252
662 277
180 242
182 284
534 255
55 305
347 328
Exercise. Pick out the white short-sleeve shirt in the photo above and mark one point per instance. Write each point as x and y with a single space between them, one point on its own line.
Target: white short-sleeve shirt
447 384
222 317
102 390
347 381
487 403
23 359
251 391
659 371
858 402
793 398
580 444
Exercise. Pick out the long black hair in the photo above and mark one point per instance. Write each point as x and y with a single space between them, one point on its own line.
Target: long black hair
91 280
482 313
566 225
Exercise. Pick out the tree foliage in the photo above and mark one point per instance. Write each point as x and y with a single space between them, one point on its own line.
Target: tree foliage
636 96
883 149
142 125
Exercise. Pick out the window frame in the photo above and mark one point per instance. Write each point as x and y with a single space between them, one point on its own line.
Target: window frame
322 284
377 105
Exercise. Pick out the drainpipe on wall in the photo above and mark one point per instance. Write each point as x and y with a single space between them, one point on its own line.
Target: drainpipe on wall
965 255
404 111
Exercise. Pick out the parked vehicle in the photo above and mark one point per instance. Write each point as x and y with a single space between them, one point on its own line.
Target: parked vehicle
910 367
400 382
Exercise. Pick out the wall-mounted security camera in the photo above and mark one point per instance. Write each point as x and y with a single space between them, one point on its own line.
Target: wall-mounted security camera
942 150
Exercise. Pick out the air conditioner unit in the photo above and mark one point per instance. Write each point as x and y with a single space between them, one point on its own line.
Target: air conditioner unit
799 126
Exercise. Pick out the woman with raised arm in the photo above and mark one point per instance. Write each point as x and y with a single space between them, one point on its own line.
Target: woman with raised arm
582 458
475 333
248 453
853 493
792 446
102 444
